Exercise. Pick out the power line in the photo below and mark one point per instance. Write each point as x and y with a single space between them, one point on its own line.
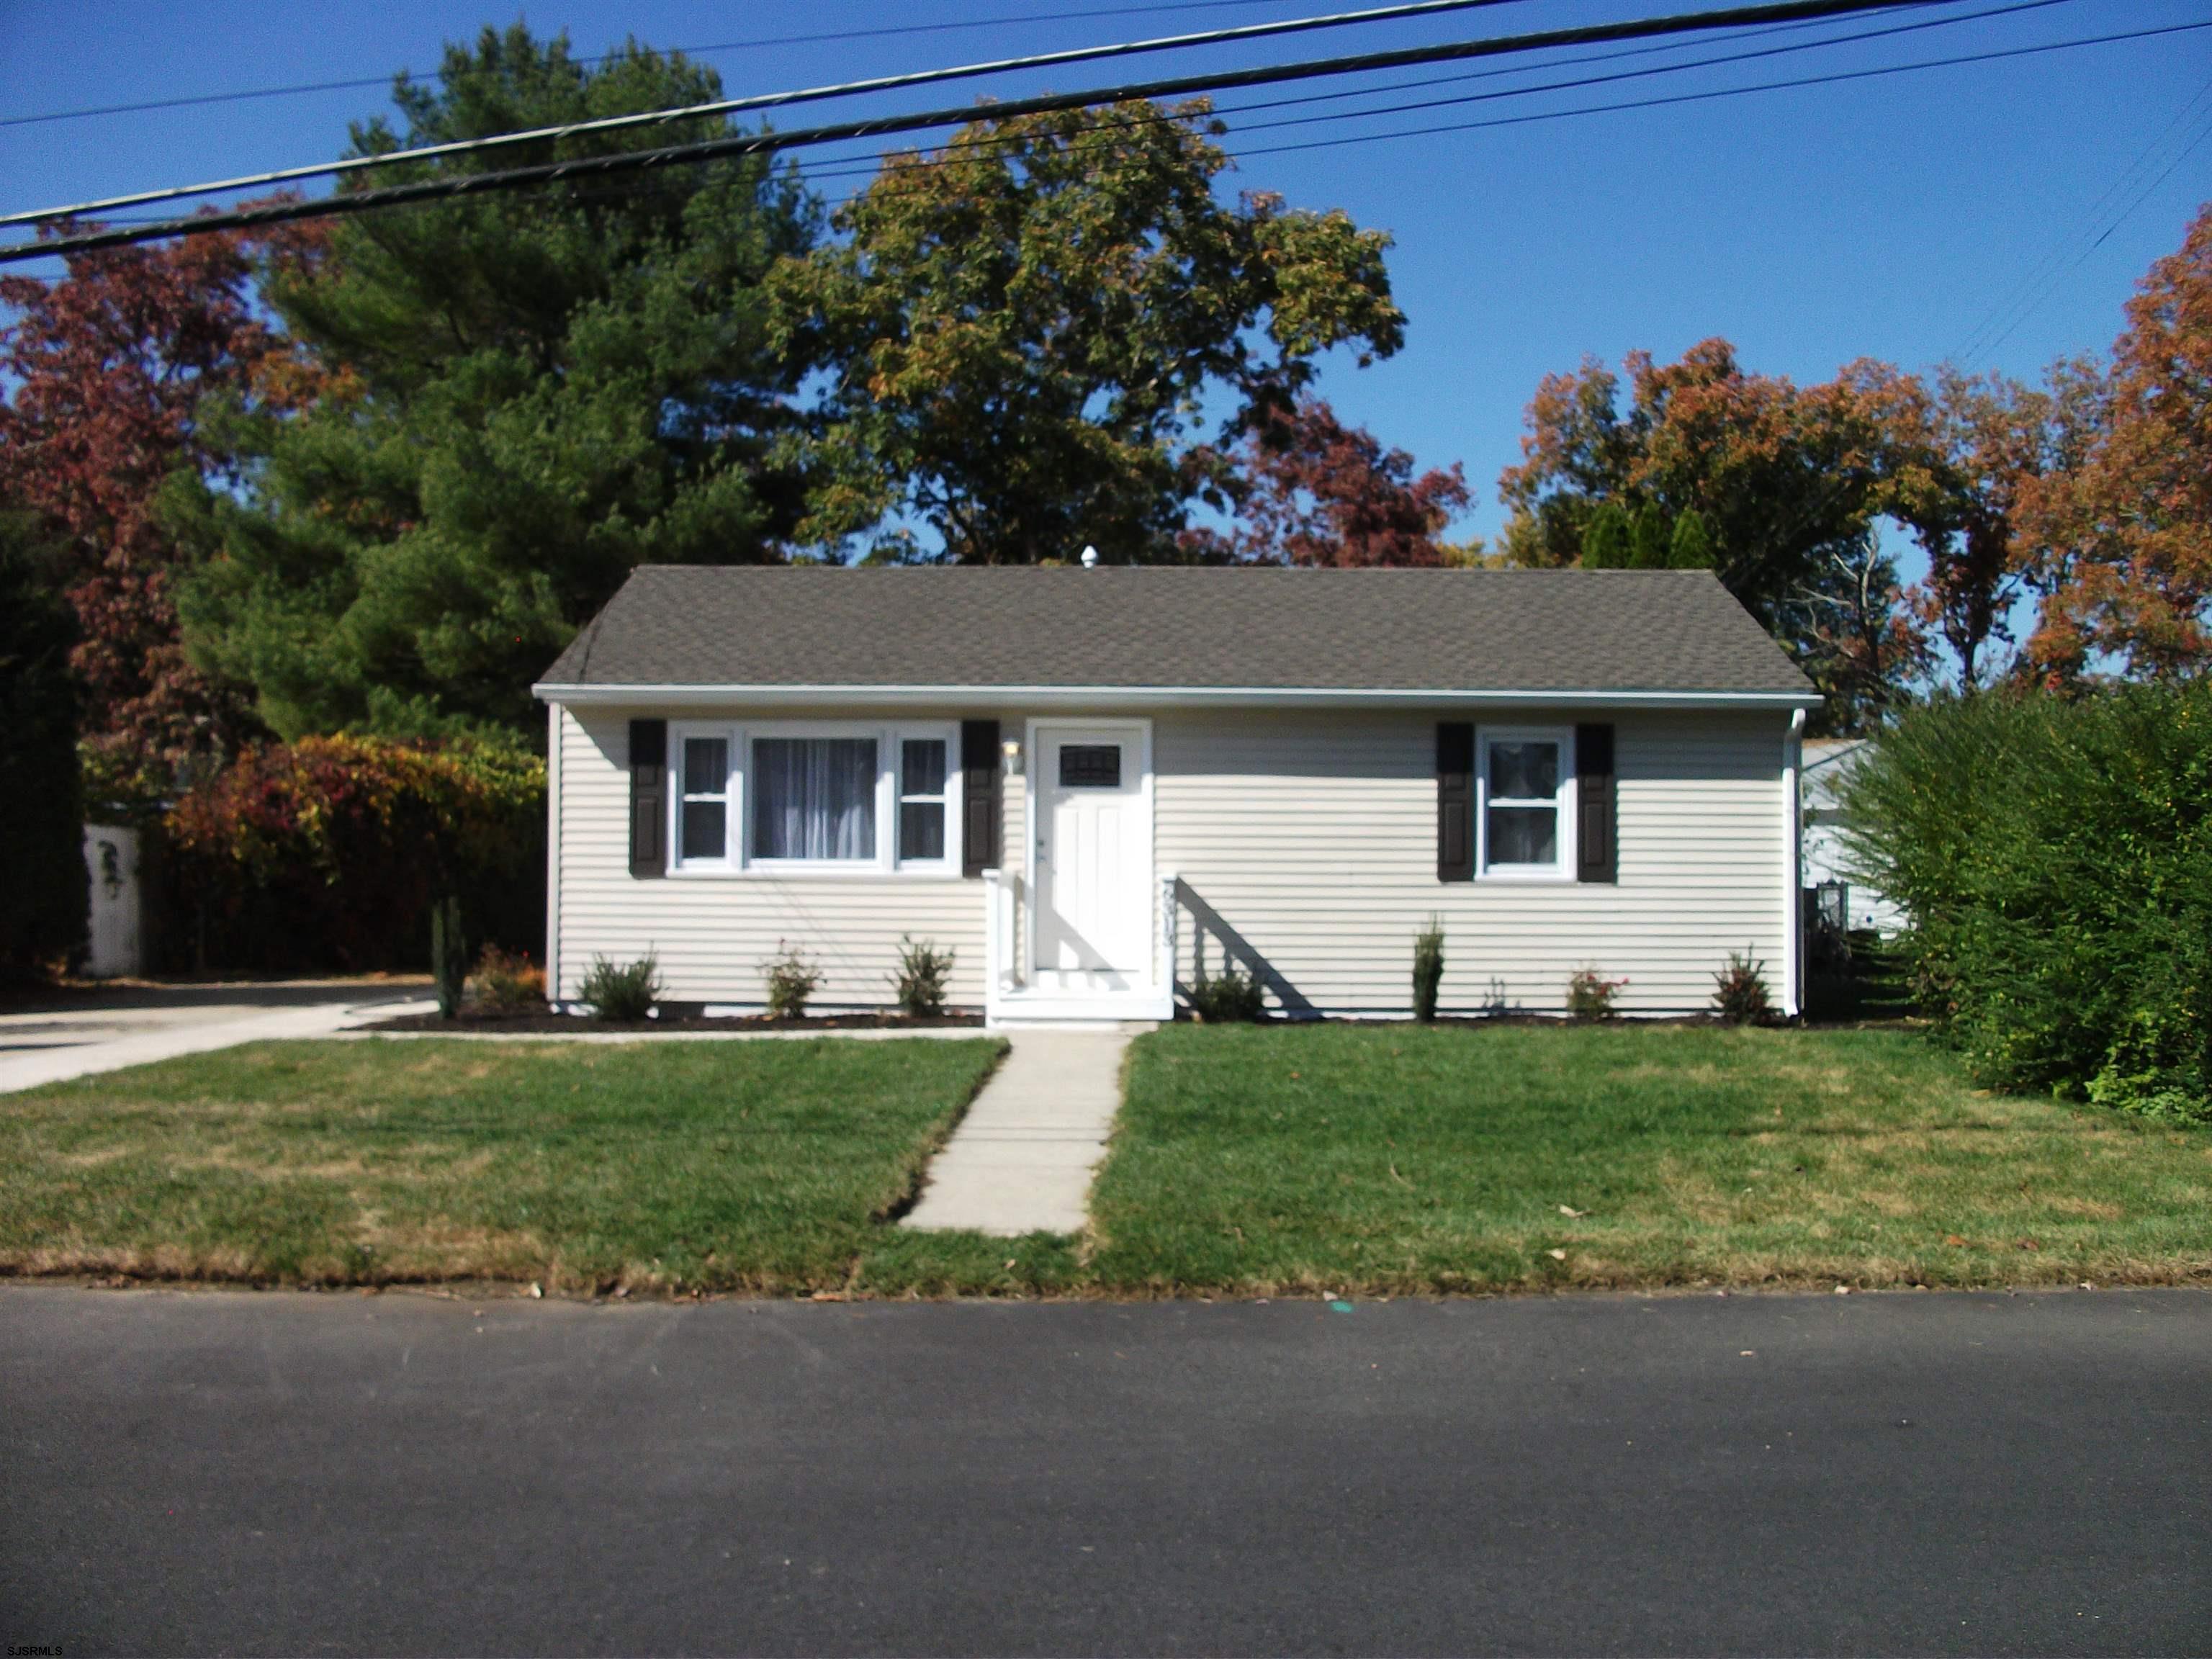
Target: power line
723 108
948 158
2021 303
1226 111
769 143
994 142
951 160
1791 85
709 51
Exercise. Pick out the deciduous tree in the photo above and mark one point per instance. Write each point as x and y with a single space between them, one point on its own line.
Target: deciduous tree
2126 518
112 369
1021 329
1310 491
1785 483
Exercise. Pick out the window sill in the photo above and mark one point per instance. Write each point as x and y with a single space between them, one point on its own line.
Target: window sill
772 871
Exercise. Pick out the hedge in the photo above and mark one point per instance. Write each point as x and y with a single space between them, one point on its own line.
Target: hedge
326 853
2055 856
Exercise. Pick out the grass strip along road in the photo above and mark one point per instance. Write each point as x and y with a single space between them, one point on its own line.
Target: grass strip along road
1363 1159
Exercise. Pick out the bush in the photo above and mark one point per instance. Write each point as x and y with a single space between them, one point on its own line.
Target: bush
326 852
626 991
1428 969
792 981
2055 856
1229 997
923 970
45 891
1740 994
508 982
1590 995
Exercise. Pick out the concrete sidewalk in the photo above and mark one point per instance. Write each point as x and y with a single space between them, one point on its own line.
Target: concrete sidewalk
1021 1161
105 1031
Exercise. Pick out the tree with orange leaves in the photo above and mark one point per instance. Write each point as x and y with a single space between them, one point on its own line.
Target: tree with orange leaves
1785 483
2125 521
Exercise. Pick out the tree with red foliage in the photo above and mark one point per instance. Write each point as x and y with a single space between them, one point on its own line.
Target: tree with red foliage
1310 490
2124 524
111 367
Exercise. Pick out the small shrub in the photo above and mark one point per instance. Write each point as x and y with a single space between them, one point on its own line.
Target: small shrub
1428 969
792 980
2147 1074
1229 997
508 982
622 992
923 970
449 961
1591 994
1740 994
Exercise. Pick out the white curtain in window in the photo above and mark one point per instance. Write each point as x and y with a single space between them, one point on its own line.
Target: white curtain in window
814 797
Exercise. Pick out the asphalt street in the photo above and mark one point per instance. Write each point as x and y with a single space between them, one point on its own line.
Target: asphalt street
210 1472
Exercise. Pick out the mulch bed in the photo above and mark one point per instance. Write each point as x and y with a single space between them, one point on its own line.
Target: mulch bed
483 1023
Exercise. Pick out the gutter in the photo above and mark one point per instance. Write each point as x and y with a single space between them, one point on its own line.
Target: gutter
710 696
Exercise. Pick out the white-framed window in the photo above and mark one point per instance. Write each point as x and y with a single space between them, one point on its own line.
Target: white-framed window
833 798
702 801
926 827
1524 816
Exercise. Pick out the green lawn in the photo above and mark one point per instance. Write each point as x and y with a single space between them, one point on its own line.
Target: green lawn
1394 1160
1253 1159
727 1165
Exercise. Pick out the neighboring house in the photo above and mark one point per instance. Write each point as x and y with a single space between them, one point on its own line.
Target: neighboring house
1828 762
1093 784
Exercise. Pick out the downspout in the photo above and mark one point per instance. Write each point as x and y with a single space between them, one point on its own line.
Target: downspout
553 853
1793 904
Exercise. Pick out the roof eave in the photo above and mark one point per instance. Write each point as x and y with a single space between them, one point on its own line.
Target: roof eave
677 696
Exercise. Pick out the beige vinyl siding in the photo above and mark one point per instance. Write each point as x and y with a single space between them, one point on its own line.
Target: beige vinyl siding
711 933
1313 836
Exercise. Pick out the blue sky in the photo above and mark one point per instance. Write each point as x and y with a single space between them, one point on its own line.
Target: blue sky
1889 216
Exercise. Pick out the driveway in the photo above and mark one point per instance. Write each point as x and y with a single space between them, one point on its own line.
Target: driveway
262 1473
103 1029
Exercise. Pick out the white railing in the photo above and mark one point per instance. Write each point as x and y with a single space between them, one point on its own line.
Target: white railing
1170 911
1001 961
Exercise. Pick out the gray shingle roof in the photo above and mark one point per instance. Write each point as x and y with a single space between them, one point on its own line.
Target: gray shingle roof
1169 626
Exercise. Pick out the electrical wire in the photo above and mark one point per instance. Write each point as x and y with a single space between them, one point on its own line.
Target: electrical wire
1838 78
1223 112
2026 296
767 142
723 107
604 58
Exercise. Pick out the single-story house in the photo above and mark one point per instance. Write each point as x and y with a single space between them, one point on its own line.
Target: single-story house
1094 785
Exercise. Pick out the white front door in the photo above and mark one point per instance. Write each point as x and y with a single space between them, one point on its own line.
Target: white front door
1090 820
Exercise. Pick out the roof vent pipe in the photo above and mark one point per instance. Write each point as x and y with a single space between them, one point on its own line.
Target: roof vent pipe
1090 558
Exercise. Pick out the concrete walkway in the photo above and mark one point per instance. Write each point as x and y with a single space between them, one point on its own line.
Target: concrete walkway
1021 1161
107 1029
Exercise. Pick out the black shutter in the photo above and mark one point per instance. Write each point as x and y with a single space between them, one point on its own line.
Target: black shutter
979 797
648 797
1597 840
1454 800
